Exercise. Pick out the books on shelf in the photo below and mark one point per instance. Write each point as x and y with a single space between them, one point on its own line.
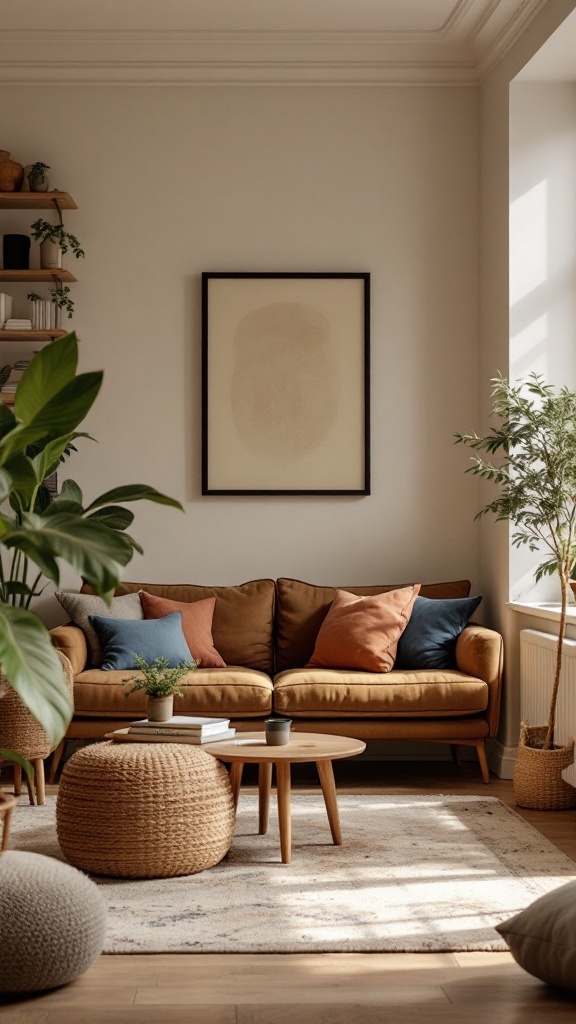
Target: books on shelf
18 324
42 319
193 729
5 308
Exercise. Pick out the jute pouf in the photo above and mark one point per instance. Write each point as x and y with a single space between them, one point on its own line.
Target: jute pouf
144 810
52 922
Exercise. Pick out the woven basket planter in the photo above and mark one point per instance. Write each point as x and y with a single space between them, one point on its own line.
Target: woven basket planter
144 810
538 782
19 730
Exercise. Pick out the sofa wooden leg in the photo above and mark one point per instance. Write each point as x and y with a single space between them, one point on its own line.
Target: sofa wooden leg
456 755
481 751
56 758
39 781
17 780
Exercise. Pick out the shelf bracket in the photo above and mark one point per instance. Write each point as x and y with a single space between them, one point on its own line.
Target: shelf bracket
59 211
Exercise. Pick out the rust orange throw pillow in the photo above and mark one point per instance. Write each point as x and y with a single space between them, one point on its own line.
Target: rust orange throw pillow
196 625
363 632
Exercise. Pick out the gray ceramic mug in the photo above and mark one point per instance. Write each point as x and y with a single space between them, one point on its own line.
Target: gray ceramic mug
277 731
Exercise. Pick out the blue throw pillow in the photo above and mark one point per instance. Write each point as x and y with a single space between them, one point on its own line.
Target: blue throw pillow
429 640
121 639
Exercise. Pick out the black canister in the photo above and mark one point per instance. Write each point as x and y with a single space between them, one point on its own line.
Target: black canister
16 252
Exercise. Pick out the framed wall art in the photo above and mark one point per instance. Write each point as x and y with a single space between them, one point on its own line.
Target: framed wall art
285 383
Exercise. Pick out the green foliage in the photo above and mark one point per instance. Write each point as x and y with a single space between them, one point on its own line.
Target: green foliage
61 298
51 401
535 445
43 231
159 680
38 168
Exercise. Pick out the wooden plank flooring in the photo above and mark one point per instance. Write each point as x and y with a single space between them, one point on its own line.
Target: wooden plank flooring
356 988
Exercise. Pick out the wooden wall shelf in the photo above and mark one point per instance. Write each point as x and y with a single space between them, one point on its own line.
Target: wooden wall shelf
31 335
36 275
8 399
36 201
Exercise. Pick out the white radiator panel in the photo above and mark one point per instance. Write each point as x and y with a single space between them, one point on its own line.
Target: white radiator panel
537 668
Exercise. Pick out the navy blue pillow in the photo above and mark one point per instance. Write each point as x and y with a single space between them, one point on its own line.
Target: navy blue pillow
121 639
429 640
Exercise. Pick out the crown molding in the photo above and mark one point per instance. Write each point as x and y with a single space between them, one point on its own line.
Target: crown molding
474 37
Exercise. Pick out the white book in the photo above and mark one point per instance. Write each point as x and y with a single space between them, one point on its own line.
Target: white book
5 308
188 722
160 735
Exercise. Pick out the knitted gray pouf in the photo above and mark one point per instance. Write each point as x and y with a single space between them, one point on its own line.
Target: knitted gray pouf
52 922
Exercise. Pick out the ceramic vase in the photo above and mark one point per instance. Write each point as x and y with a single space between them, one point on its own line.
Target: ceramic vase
160 708
50 255
38 181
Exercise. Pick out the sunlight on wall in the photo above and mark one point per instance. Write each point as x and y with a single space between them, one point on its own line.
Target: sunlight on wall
527 349
528 241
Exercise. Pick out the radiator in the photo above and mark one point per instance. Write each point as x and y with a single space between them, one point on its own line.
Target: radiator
537 668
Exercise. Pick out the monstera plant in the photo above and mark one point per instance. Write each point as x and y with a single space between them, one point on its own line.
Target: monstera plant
38 533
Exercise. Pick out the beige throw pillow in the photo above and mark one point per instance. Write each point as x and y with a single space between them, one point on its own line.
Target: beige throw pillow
80 606
542 938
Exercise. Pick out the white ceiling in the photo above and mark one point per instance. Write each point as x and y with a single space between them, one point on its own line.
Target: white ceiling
324 41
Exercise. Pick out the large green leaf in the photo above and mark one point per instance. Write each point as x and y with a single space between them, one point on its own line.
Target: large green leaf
48 460
17 474
133 492
61 415
95 552
71 491
7 419
52 368
32 668
10 755
114 517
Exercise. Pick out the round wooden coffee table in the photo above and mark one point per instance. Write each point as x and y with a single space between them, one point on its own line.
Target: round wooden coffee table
251 748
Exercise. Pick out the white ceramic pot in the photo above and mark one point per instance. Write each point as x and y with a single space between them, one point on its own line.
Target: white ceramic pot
50 255
160 708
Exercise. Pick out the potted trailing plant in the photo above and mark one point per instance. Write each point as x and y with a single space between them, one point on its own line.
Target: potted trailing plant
160 683
54 241
37 533
37 177
535 442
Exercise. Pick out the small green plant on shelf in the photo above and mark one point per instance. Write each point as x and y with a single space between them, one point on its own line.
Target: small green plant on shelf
159 680
60 298
38 168
43 231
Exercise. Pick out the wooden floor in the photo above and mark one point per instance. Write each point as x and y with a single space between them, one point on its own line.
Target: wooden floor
356 988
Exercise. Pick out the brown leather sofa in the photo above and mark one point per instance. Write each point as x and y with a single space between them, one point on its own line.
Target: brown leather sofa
265 631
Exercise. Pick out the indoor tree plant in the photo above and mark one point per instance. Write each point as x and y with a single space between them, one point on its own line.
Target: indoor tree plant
50 403
160 684
535 442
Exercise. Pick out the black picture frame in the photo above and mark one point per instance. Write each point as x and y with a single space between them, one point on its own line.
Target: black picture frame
285 383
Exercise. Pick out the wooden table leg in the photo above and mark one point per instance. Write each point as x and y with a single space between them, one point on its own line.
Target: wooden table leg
284 821
56 758
39 781
326 773
264 785
235 780
17 780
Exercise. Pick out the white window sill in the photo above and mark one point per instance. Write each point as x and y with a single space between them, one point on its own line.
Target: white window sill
543 610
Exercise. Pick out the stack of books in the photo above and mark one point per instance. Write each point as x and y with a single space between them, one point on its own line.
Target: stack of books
17 324
9 387
183 729
5 308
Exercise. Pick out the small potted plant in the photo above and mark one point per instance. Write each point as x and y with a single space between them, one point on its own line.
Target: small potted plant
37 177
54 241
160 683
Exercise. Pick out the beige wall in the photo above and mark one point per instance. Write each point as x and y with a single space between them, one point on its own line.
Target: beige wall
174 181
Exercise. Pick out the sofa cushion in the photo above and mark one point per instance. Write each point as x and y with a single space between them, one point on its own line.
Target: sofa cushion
150 639
243 617
80 606
197 617
225 692
363 632
302 608
542 938
310 692
429 640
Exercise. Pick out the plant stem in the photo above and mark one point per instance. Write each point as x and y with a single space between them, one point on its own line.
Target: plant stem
565 581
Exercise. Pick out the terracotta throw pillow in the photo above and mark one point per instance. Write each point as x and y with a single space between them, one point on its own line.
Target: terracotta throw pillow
196 625
362 632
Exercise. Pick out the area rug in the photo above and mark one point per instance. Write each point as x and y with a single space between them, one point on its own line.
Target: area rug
414 874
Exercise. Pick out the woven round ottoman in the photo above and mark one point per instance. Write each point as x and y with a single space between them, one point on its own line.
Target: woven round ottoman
144 810
52 922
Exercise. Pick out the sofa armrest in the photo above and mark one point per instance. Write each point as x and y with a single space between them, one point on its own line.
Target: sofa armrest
72 642
480 653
